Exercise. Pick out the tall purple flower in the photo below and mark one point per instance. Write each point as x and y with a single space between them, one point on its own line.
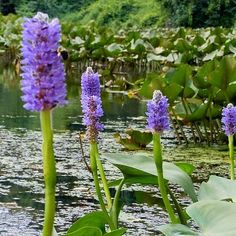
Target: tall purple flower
229 119
91 103
157 112
43 83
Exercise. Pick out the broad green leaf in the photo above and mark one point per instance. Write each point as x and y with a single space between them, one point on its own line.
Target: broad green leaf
141 164
176 230
214 54
199 113
95 219
153 82
142 138
172 91
214 217
201 78
154 57
217 188
186 167
86 231
117 232
224 74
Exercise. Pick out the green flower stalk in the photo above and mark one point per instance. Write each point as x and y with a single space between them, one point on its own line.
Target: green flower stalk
43 87
229 126
49 170
158 121
92 110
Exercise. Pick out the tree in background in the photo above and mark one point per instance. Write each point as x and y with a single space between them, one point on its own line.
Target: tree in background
7 7
200 13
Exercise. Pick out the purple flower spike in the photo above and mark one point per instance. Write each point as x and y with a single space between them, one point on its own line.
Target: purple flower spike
157 112
90 83
43 83
229 119
91 103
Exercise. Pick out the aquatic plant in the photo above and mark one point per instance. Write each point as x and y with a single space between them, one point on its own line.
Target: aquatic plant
158 122
229 127
43 87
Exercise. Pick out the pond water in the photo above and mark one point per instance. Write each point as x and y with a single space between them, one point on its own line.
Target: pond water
21 180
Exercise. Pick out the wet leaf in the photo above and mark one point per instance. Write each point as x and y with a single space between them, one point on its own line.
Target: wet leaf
176 229
214 217
217 188
85 231
117 232
142 164
91 220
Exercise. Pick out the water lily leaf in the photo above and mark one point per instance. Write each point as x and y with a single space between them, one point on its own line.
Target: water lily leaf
154 57
201 78
224 74
153 82
217 188
177 230
199 113
117 232
85 231
214 217
142 138
94 219
128 143
143 164
212 55
172 91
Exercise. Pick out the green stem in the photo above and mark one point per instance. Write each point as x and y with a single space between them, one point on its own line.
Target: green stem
231 156
93 161
178 208
161 182
49 169
114 211
104 180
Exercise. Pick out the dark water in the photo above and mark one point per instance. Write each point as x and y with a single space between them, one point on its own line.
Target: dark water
21 182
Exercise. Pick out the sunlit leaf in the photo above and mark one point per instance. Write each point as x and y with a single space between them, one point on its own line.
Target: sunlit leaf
143 164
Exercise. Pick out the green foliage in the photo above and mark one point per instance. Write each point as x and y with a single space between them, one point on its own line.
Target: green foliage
142 165
117 14
135 139
200 13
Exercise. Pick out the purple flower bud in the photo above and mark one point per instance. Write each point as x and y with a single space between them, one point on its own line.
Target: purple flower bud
91 103
43 83
229 119
157 112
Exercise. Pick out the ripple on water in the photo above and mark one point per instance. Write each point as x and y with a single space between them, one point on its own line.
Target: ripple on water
22 188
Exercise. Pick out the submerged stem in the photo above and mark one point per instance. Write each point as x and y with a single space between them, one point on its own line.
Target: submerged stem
49 169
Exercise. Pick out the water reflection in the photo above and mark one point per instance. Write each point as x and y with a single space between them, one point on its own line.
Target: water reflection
13 115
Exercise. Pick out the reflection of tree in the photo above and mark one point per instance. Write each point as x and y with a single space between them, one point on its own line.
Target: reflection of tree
13 115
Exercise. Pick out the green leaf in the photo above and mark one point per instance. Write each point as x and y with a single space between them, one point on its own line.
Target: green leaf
224 74
117 232
172 91
186 167
85 231
142 138
95 219
143 165
199 113
153 82
176 230
217 188
214 217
